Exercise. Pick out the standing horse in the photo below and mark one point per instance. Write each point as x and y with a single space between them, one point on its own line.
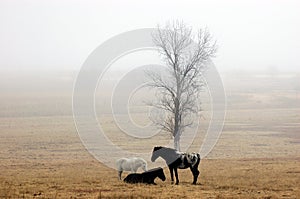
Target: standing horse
130 164
178 160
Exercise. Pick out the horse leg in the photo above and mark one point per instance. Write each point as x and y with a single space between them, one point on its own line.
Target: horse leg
119 174
176 175
152 181
196 173
171 173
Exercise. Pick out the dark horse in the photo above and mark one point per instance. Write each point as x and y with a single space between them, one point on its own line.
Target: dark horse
147 177
178 160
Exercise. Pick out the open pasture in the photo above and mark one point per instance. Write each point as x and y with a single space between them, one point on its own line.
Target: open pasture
257 155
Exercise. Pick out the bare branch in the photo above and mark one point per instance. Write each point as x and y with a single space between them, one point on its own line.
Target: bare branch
186 60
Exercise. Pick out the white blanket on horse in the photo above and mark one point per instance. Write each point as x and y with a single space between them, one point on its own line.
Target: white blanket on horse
191 158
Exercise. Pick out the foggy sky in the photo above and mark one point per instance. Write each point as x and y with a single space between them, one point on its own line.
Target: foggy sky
61 34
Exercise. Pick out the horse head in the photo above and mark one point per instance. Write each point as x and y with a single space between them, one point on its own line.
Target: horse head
155 153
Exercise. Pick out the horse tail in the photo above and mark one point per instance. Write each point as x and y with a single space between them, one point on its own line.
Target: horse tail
199 158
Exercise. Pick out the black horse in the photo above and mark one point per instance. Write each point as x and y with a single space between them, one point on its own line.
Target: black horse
178 160
147 177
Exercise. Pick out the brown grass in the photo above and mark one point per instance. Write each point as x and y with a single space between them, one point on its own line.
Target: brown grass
219 179
42 162
257 155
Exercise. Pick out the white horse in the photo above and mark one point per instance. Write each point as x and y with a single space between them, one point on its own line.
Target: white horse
130 164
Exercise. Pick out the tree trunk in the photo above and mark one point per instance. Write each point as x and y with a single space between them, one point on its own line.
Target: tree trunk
177 142
176 132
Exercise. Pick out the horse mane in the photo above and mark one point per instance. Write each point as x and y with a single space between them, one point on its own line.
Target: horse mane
156 148
164 148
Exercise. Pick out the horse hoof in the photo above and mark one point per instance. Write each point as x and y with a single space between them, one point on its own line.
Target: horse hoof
176 183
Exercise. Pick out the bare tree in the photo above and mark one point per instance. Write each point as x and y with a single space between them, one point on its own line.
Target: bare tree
186 57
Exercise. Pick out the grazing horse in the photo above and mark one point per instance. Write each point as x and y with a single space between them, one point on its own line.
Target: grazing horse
147 177
130 164
178 160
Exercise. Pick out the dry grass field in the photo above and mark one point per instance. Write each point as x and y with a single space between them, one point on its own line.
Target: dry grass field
257 155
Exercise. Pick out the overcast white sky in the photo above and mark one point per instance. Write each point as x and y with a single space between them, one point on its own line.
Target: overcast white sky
60 34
